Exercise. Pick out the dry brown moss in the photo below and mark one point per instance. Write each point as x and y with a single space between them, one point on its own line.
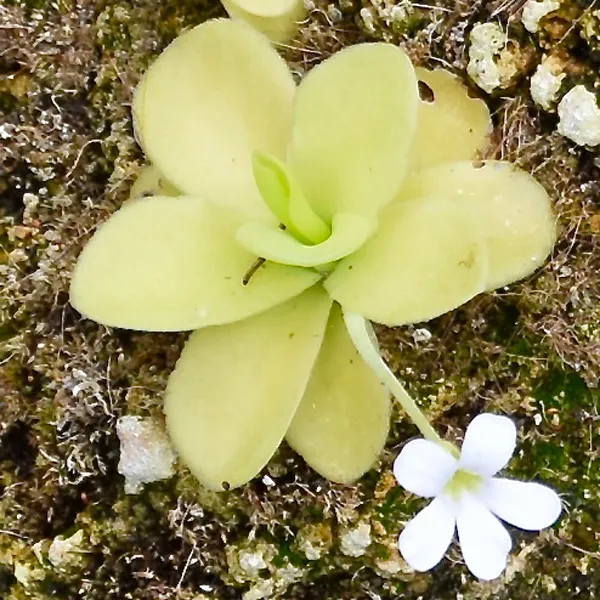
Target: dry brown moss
67 71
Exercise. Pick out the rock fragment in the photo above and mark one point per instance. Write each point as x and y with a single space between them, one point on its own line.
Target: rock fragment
354 542
546 81
579 116
493 63
535 10
146 453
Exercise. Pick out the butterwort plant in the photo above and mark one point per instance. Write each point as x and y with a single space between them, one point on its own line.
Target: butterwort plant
276 220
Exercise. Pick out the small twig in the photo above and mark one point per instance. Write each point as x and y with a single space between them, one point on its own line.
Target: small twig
255 266
300 49
512 5
17 535
79 154
186 566
108 386
589 553
427 7
576 22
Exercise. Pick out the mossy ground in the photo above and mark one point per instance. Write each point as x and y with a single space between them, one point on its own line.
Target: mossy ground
67 157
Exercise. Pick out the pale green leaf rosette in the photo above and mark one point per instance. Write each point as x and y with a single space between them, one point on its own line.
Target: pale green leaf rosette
354 123
426 258
150 182
264 191
451 125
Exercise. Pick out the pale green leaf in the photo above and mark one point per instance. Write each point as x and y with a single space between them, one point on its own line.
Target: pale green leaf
354 122
216 94
236 387
425 259
342 422
511 208
349 232
283 195
277 19
170 264
150 182
451 125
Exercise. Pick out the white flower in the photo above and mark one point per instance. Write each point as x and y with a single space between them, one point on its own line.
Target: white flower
467 498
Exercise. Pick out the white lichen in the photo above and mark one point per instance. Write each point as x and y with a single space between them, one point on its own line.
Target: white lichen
354 542
393 13
314 541
27 575
546 81
590 26
249 562
491 64
40 550
579 117
276 585
535 10
287 575
268 481
421 335
64 552
16 256
390 566
334 13
252 562
31 202
368 18
263 589
311 551
146 453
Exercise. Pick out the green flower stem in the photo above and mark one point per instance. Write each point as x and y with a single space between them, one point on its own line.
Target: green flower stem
364 339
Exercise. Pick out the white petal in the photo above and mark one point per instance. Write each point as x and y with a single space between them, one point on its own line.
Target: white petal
489 443
426 538
424 467
530 506
484 541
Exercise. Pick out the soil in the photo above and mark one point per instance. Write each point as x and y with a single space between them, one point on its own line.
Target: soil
531 350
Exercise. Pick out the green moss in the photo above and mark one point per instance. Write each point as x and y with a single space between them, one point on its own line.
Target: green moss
530 351
410 25
393 507
563 389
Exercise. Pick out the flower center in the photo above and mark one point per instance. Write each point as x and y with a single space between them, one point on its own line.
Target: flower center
463 481
304 238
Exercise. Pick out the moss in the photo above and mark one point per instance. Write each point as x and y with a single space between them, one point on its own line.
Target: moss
532 350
